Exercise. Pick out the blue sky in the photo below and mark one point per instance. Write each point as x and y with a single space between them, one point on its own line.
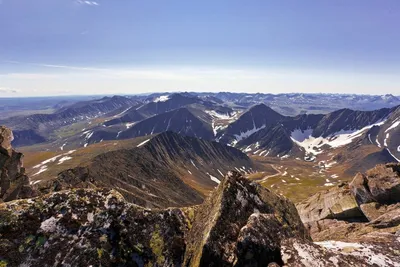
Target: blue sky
53 47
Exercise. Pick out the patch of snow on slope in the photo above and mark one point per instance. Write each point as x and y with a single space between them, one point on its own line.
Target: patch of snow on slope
215 114
394 125
328 184
312 144
377 142
42 169
220 173
129 125
60 161
142 143
62 147
385 141
244 135
248 149
162 98
189 172
121 113
47 161
398 149
215 179
35 182
300 135
193 164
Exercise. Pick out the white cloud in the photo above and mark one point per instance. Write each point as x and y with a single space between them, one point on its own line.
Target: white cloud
8 90
89 3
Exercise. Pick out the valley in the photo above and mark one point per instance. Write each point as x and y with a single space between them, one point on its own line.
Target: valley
295 156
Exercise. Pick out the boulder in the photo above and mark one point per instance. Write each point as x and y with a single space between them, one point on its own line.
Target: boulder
335 203
373 210
380 184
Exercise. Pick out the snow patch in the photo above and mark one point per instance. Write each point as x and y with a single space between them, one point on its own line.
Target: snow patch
244 135
394 125
385 141
60 161
62 147
312 145
215 114
142 143
162 98
215 179
129 125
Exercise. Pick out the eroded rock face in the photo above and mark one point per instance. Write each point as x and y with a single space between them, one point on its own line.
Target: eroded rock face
14 183
6 137
380 184
335 203
377 240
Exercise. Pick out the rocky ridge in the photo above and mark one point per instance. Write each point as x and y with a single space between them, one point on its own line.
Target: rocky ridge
14 183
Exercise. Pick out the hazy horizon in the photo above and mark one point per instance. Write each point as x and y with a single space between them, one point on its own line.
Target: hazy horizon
75 47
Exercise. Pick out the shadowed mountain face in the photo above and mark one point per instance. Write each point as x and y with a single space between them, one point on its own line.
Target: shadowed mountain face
276 135
182 121
166 170
37 128
346 119
250 122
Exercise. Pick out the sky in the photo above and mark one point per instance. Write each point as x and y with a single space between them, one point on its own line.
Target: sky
72 47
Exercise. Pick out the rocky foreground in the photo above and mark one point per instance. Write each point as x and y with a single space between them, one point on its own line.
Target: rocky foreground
239 224
365 212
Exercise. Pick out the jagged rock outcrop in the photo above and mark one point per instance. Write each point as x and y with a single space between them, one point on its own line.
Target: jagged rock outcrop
241 224
380 184
374 196
14 183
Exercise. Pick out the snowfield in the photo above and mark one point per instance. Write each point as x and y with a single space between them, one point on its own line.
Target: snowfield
312 145
162 98
217 115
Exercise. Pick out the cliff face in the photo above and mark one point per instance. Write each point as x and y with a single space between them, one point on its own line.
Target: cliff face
14 183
